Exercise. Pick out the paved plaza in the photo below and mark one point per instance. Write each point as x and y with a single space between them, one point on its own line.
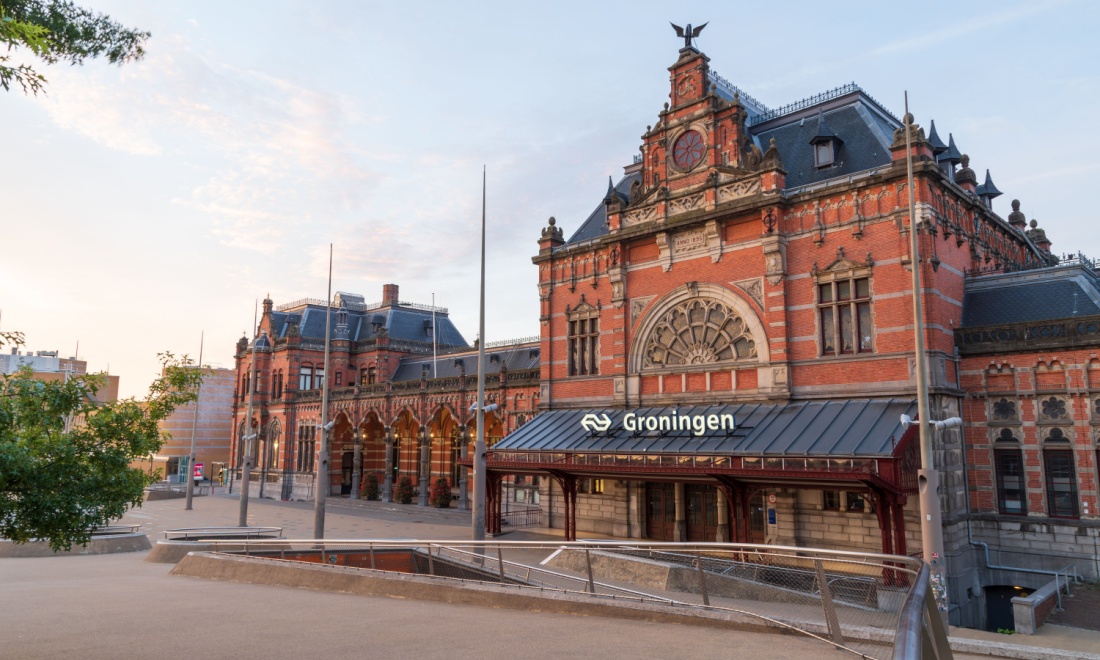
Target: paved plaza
120 606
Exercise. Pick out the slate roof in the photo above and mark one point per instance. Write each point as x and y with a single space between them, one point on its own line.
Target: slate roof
865 134
596 224
1028 296
518 358
402 323
854 428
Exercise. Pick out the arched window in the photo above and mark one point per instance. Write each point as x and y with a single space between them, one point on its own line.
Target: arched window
699 331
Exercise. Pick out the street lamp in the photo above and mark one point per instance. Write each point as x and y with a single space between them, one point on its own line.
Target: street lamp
242 520
194 426
928 478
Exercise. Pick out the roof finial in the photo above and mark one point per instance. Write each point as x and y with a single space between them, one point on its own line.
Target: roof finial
688 33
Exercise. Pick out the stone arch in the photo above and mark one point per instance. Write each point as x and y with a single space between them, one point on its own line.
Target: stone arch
708 294
273 444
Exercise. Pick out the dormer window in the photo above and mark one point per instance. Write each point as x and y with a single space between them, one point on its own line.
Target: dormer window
823 154
826 144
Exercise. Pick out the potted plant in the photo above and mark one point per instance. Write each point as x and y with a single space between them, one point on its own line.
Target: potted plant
440 496
371 490
404 492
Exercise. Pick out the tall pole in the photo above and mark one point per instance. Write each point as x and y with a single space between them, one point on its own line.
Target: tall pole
479 444
435 345
321 491
928 478
242 519
194 426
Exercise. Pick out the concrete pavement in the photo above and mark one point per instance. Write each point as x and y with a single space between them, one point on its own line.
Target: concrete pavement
120 606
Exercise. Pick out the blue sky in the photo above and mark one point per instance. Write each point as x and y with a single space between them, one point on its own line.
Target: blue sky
145 204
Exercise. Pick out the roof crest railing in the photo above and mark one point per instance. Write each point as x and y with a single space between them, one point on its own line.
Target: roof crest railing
734 89
513 342
360 307
1078 259
806 103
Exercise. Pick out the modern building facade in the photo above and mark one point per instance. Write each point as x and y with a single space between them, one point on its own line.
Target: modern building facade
212 429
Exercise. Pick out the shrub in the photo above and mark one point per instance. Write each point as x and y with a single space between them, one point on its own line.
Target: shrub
440 496
404 492
370 489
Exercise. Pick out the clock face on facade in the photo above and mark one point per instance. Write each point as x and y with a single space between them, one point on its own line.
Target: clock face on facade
688 150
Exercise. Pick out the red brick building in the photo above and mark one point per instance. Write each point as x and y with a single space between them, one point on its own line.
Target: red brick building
754 264
397 410
727 346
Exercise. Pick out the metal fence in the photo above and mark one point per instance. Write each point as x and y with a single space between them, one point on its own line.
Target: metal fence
853 601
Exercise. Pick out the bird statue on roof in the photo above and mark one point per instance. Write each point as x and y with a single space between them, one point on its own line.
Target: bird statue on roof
688 33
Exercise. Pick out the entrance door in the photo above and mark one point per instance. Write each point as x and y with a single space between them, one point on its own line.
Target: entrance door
998 607
347 463
702 513
660 511
757 532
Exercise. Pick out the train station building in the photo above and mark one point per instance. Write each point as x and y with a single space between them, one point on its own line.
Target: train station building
726 350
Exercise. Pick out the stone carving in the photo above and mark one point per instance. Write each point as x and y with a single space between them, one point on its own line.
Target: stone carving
684 204
688 241
1004 409
699 331
640 215
754 288
1054 408
738 189
636 307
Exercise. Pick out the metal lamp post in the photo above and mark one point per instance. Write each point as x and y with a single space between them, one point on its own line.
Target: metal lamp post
246 440
928 478
194 426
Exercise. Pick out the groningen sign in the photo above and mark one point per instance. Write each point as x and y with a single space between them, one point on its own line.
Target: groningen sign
695 424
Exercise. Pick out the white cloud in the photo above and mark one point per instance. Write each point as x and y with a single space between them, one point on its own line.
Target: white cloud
280 152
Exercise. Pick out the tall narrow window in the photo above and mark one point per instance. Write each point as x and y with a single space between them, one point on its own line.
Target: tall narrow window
844 316
1061 483
305 377
318 378
1011 493
372 376
584 342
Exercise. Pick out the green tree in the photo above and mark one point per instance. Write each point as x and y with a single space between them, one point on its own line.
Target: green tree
59 31
66 460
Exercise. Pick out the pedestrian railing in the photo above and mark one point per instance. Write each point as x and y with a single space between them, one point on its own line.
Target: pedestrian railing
872 605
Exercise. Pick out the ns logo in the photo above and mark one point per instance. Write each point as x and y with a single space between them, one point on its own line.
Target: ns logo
594 423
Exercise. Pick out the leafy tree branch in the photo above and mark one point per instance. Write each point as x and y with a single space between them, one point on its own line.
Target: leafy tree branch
58 30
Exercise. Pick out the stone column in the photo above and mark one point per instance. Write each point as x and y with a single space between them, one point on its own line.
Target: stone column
723 533
425 442
679 530
464 450
357 465
387 478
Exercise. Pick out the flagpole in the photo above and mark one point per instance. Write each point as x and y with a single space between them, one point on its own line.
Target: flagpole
194 426
479 445
320 491
435 349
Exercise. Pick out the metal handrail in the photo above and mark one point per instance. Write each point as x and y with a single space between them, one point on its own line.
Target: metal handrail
187 533
921 633
277 550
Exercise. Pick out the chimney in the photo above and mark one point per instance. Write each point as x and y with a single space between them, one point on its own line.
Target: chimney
389 294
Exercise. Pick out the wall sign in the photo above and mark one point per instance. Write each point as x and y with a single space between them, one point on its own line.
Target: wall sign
697 425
